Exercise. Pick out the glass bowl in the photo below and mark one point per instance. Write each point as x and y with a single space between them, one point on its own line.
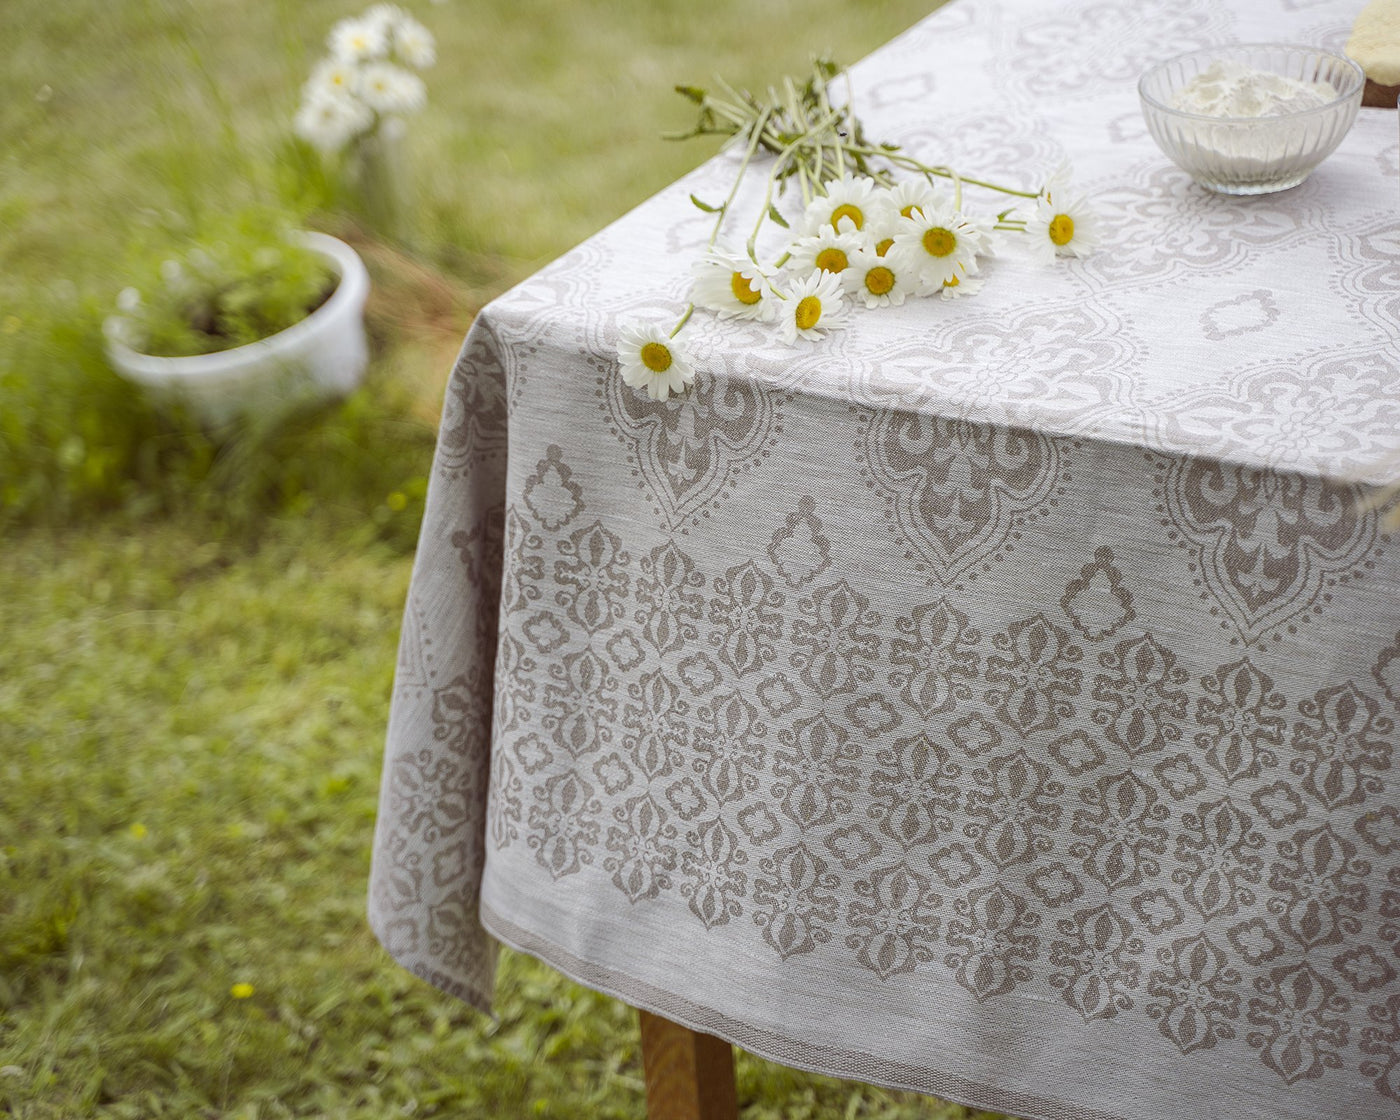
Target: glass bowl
1252 155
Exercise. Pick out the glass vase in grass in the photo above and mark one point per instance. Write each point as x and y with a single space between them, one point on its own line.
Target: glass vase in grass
377 173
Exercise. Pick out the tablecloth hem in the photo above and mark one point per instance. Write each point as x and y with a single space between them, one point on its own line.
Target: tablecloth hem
849 1064
480 1000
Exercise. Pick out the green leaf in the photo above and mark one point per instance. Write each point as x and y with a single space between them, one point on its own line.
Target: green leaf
777 218
705 206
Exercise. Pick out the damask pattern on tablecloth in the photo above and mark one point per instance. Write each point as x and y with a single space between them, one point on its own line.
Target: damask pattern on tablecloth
1266 547
689 451
956 491
1076 51
1195 233
1368 273
1211 891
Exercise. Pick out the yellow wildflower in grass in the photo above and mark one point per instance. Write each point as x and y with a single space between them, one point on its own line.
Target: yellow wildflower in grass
138 830
241 990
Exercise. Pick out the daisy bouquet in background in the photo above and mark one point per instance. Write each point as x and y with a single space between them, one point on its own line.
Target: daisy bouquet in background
878 227
354 106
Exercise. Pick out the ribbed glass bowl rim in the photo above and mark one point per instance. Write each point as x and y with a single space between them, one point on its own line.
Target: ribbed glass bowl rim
1226 50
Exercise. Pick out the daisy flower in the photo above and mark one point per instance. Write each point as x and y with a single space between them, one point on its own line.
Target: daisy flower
329 121
879 281
960 285
1062 226
385 17
814 306
733 286
881 231
910 196
332 76
414 43
943 244
847 205
826 250
653 361
392 89
358 40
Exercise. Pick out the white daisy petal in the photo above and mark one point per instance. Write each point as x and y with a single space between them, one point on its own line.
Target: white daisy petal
1057 186
652 361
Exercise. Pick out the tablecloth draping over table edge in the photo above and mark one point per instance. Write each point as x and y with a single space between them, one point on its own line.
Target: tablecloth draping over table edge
1202 899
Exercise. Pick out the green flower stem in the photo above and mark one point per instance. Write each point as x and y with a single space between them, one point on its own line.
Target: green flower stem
689 311
739 178
778 165
912 164
825 103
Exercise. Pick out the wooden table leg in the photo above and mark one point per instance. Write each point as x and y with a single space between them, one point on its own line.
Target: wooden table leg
689 1076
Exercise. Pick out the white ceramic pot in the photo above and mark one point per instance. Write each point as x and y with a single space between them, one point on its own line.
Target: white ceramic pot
322 356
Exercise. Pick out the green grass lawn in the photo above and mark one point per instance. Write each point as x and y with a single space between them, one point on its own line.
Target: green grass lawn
198 637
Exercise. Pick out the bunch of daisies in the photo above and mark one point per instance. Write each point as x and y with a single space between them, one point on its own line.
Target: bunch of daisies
367 79
864 238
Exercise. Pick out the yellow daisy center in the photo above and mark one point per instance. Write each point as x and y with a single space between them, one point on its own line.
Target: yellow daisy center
939 242
953 283
809 312
884 246
1061 229
909 211
656 357
846 210
743 289
879 280
832 260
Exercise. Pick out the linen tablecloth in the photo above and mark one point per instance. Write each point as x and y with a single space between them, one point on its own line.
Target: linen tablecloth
998 699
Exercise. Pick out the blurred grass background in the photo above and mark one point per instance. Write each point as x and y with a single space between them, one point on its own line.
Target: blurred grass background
199 633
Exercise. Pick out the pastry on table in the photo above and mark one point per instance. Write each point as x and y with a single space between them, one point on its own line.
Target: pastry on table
1375 46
